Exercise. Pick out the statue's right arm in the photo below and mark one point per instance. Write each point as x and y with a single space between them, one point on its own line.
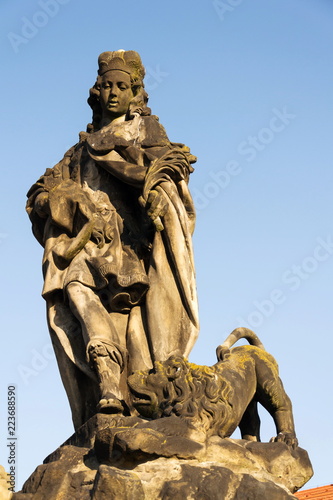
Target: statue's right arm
68 249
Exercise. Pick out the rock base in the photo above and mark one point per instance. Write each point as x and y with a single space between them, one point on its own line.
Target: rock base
5 494
86 468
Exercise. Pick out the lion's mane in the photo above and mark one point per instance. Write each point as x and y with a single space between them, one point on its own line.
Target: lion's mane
196 392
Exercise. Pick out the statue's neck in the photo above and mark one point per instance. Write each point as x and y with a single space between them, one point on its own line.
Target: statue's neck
107 121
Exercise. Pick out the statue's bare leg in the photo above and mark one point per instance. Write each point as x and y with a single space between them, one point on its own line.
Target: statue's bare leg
102 341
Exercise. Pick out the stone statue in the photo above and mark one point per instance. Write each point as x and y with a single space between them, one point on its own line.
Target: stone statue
208 401
180 446
115 218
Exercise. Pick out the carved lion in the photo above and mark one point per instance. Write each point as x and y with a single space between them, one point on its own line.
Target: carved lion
215 400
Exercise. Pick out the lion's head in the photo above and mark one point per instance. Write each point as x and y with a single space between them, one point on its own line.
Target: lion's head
177 387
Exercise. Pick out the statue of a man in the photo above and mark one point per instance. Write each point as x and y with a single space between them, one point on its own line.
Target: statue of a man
115 218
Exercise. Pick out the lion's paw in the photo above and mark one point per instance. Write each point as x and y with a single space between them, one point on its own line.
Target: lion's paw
289 438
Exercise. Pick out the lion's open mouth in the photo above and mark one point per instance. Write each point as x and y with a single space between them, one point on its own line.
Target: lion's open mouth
145 400
140 394
140 399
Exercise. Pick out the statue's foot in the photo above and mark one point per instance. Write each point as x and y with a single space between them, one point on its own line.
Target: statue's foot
110 405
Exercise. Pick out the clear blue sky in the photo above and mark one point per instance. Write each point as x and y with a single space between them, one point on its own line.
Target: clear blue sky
250 91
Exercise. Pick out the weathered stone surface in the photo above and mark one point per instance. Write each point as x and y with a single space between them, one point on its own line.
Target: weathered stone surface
5 494
214 400
115 218
64 473
116 483
120 294
145 440
252 489
285 465
224 468
194 483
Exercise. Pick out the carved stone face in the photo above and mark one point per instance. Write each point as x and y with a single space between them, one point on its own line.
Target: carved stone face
153 390
115 94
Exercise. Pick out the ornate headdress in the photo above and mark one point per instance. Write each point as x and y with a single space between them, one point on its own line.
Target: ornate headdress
128 61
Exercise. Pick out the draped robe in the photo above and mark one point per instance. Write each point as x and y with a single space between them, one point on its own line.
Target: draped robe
144 278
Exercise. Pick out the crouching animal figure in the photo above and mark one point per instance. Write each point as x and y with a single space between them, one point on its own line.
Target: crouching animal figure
215 400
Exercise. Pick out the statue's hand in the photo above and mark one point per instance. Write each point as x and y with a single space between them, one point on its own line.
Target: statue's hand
157 209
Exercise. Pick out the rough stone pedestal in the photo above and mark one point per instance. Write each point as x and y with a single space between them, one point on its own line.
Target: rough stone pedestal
5 494
109 459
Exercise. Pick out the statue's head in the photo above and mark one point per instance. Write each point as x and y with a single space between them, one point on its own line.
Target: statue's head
119 88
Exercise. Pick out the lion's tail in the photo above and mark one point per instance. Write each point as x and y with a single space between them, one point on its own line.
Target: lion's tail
235 335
